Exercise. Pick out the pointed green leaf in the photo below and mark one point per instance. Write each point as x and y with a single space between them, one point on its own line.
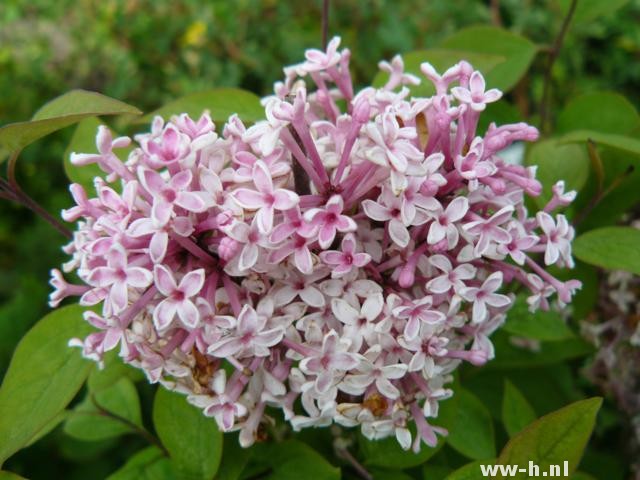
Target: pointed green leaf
435 472
554 438
294 460
588 10
192 439
623 143
147 464
60 112
221 103
86 422
595 248
470 471
49 427
517 413
472 434
606 112
4 475
517 51
541 325
509 356
558 162
43 377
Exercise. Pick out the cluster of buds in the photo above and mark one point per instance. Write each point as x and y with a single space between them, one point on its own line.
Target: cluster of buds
348 251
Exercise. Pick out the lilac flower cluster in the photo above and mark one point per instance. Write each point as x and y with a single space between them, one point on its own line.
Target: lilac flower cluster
348 251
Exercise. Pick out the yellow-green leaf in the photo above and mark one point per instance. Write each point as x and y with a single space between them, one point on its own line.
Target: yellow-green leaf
517 51
595 248
60 112
221 103
554 438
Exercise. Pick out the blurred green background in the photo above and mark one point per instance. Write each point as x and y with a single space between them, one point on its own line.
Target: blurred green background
147 52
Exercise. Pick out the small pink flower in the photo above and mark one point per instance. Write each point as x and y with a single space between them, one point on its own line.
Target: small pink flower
489 230
443 225
250 336
332 359
485 295
559 235
329 220
417 312
266 199
178 297
452 278
476 96
171 194
345 260
370 372
118 276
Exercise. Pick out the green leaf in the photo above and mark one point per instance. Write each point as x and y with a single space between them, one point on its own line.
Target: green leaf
510 356
390 475
4 475
517 51
554 438
470 471
83 141
555 162
619 142
387 452
588 10
606 112
147 464
114 369
192 439
595 248
582 476
61 112
441 59
435 472
234 460
472 434
86 422
293 460
541 325
43 377
220 102
516 411
49 427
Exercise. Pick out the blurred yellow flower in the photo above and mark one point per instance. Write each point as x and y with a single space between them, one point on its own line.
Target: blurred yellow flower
195 35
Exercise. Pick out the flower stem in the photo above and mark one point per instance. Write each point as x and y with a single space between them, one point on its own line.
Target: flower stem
325 24
135 428
553 56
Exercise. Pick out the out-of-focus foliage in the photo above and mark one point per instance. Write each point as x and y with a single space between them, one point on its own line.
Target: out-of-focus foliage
148 53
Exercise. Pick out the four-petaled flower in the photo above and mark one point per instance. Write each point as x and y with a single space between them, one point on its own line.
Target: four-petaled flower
344 260
266 199
178 297
118 276
250 336
328 221
485 295
476 96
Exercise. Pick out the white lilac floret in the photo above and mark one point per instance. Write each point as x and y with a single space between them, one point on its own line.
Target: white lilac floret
336 265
